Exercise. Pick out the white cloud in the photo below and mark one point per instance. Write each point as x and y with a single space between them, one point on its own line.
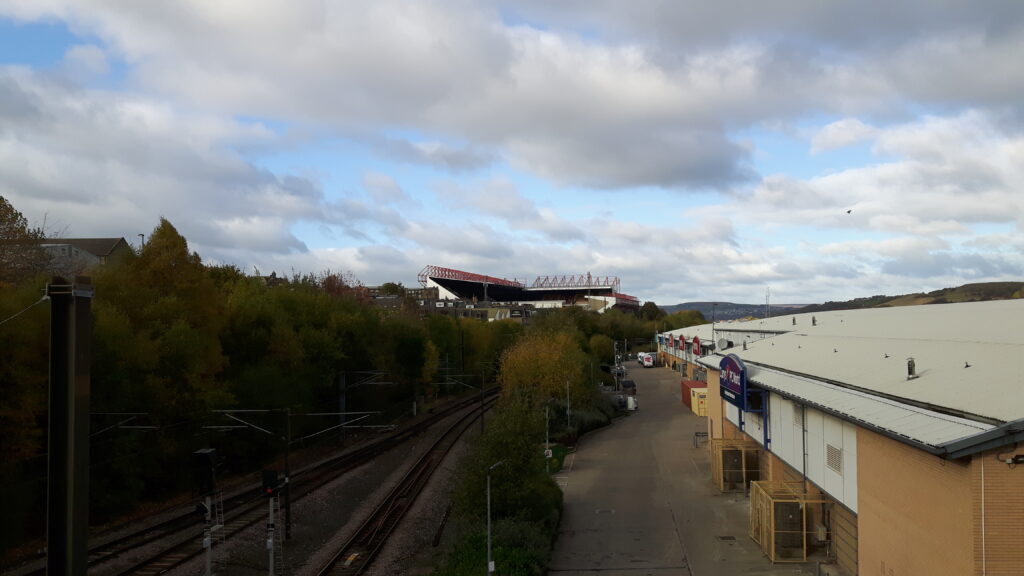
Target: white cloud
841 133
596 97
109 164
85 61
501 200
383 188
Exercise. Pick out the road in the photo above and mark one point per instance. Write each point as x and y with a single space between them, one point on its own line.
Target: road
639 498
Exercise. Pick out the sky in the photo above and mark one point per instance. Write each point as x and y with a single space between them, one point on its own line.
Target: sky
697 150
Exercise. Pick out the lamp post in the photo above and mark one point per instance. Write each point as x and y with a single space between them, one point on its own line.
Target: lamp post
714 317
490 562
547 438
568 410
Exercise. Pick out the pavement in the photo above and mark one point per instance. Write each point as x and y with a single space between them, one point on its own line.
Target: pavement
639 499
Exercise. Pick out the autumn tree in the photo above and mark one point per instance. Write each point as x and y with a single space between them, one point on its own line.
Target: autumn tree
542 365
21 255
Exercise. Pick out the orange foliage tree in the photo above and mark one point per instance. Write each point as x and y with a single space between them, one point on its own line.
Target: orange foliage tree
542 365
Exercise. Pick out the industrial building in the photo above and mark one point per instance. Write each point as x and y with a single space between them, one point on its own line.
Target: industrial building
885 440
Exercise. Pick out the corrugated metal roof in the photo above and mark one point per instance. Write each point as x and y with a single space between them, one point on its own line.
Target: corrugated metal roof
969 365
969 357
916 424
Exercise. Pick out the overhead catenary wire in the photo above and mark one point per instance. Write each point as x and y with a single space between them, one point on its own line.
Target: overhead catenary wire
29 307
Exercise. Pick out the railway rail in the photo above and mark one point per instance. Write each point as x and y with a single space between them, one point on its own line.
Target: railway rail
178 539
356 555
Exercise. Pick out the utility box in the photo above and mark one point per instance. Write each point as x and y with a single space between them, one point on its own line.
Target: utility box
686 391
699 401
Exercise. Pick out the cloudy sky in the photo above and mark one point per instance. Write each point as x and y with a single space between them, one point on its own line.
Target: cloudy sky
697 150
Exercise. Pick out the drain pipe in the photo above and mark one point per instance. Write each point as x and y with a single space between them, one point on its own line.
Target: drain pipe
983 551
803 424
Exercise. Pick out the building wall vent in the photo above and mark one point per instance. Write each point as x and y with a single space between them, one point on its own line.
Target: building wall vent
834 458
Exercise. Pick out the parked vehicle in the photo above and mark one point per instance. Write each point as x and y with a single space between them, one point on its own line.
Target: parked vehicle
646 359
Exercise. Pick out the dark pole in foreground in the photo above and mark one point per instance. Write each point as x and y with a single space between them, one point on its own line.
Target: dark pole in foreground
287 475
67 519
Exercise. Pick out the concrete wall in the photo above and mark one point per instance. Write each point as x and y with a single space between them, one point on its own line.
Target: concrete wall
998 512
915 514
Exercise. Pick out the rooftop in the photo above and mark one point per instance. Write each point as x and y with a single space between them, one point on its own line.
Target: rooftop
968 358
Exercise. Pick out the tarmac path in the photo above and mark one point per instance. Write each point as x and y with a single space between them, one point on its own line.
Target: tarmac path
639 498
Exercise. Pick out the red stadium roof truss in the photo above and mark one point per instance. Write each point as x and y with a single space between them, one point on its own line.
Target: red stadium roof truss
452 274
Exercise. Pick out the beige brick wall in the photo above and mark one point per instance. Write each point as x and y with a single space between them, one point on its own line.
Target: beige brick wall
915 513
999 549
716 409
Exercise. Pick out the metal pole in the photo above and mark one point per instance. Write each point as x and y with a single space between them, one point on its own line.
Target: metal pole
208 537
270 534
67 521
287 475
547 438
568 411
342 390
490 563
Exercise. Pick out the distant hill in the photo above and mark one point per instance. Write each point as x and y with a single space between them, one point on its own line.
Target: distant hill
729 310
966 293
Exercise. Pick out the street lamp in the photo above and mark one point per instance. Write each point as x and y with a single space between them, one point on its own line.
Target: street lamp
490 562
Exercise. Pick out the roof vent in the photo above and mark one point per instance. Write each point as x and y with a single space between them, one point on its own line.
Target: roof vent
814 321
794 320
911 369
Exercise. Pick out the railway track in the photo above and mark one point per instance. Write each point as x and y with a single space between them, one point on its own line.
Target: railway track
180 538
356 555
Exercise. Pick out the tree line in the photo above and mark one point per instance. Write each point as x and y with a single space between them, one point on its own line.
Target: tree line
176 340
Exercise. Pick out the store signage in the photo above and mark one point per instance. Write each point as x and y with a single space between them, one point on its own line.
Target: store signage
732 379
696 346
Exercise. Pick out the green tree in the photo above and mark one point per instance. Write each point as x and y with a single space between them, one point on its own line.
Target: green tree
602 348
651 311
683 319
156 349
392 289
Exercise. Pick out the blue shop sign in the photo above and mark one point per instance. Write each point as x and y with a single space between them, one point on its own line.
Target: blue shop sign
733 381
